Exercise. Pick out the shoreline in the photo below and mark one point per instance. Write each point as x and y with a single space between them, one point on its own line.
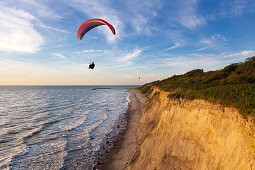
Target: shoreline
125 145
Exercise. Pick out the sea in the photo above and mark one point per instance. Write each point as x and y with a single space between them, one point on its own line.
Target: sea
59 127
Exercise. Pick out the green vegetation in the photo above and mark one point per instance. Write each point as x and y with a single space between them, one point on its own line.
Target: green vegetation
232 86
147 90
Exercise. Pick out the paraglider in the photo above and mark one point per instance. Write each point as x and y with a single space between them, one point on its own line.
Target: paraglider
92 65
87 26
90 24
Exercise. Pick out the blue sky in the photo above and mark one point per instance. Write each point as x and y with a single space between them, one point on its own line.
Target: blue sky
154 39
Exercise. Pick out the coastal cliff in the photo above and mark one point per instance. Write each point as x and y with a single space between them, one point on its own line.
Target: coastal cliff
192 134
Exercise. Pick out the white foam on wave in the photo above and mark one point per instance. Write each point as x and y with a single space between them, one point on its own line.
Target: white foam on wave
124 103
49 155
5 160
75 122
128 97
20 149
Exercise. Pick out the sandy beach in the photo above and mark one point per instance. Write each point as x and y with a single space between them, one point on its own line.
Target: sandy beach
125 146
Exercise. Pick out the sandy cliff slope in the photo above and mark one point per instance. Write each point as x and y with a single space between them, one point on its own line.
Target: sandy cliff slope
193 134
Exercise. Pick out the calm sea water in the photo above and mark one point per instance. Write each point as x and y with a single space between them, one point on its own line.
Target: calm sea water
56 127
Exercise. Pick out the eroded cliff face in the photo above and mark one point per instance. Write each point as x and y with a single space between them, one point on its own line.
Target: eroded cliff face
193 134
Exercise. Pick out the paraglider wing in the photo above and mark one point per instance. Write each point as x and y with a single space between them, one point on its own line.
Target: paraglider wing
90 24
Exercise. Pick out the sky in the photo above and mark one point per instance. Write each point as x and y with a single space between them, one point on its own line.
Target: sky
154 39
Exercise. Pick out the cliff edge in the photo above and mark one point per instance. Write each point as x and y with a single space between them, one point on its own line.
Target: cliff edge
192 134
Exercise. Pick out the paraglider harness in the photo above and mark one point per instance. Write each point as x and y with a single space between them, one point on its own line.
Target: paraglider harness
92 65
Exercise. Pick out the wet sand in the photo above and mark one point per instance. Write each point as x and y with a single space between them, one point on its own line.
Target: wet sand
125 146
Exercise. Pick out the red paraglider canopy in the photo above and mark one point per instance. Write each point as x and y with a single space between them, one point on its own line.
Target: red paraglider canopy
90 24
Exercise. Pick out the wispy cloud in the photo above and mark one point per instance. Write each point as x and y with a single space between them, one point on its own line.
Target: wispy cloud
238 7
247 53
188 16
141 15
130 56
37 8
17 33
92 51
59 55
214 41
52 28
19 25
238 56
232 8
176 45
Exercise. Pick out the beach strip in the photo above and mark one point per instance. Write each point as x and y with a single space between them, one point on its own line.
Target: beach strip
125 146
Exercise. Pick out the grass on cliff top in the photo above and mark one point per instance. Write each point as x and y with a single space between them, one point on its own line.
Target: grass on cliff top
233 86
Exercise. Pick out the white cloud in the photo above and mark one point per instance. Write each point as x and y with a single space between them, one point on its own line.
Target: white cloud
92 54
232 8
202 48
92 51
19 22
37 8
139 23
238 56
51 28
17 33
187 15
59 55
130 56
141 15
215 41
238 7
248 53
176 45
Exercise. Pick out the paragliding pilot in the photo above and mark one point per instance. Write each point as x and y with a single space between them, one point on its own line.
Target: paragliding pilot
92 65
90 24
